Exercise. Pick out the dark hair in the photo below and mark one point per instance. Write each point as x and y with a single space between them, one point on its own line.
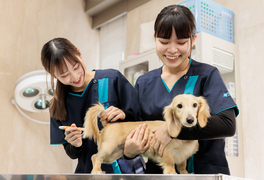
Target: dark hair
53 56
177 16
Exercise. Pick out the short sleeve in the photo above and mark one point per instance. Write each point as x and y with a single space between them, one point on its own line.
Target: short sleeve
125 92
217 95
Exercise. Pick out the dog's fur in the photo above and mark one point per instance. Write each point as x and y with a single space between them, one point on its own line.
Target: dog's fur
185 110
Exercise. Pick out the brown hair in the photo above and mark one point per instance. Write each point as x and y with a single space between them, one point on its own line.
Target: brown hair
180 18
53 56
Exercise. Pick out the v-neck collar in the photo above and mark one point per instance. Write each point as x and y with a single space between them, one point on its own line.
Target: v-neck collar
169 90
80 94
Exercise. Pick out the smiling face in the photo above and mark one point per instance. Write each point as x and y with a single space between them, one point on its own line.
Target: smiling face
73 74
173 51
175 34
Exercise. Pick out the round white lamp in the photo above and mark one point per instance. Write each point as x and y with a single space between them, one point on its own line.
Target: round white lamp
33 92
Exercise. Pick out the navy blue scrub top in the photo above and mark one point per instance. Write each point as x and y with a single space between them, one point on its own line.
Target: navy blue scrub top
109 87
152 95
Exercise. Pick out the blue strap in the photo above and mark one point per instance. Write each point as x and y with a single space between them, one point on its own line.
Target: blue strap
103 98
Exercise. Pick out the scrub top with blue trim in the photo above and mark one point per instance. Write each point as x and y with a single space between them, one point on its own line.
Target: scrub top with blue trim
109 87
153 95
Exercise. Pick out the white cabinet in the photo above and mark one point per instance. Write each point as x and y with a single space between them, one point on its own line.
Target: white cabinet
217 52
133 67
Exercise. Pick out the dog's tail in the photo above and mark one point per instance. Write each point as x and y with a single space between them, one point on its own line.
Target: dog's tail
91 129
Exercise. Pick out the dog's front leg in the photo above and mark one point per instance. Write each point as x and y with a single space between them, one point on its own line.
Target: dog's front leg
181 168
168 164
97 165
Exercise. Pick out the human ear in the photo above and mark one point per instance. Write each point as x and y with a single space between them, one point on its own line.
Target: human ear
194 39
80 54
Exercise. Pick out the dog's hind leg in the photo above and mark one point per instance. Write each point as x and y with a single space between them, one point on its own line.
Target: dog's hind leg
97 165
115 155
107 153
181 168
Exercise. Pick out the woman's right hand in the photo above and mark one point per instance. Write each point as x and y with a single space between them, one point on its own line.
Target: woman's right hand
160 140
73 135
137 142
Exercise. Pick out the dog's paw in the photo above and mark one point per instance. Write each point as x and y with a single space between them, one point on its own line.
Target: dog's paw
98 172
184 171
169 172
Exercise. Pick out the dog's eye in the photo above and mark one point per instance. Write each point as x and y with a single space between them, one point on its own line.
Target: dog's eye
179 106
194 105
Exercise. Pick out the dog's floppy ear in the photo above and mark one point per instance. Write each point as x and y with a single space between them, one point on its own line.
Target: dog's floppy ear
174 126
203 112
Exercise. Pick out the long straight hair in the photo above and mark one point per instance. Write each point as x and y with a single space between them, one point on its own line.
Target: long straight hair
53 56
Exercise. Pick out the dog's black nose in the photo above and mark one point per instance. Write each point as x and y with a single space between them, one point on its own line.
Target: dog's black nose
189 120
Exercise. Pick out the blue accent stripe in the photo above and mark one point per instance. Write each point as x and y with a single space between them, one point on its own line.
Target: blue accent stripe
116 168
169 90
29 177
236 110
103 90
190 164
103 98
80 95
189 87
165 85
58 143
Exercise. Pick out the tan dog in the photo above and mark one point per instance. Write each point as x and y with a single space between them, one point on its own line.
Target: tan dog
185 110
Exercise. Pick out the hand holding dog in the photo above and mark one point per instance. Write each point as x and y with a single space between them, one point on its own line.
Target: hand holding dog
160 140
137 142
73 135
112 114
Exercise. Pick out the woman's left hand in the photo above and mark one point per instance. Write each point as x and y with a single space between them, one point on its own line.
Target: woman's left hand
160 140
112 114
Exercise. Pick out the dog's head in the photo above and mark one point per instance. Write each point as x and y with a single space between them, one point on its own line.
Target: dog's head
186 110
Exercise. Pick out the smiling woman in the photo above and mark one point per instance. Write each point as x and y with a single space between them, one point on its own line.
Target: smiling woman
175 34
76 91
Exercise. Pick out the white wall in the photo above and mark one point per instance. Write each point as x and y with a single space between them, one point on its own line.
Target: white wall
25 26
